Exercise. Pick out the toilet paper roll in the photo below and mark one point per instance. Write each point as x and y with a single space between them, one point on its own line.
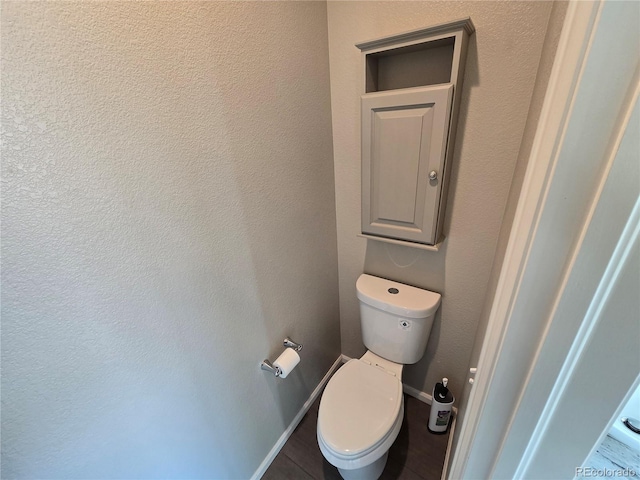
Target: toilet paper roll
287 361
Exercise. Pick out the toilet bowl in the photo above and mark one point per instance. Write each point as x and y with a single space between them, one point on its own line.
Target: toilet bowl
362 406
360 416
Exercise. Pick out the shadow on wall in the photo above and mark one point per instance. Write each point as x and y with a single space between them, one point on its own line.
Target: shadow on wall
286 193
471 80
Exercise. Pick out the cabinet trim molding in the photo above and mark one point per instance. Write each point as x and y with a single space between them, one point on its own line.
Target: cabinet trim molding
447 27
404 243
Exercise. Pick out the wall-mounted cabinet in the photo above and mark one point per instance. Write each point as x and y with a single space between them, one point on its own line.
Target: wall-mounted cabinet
412 85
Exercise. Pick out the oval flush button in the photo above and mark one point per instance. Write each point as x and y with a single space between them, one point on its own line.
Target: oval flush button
393 290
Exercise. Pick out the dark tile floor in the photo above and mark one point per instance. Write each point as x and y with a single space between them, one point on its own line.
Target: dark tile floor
416 453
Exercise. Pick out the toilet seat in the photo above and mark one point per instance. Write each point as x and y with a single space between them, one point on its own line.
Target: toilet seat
361 410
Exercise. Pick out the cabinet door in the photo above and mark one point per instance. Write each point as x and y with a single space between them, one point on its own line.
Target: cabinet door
404 138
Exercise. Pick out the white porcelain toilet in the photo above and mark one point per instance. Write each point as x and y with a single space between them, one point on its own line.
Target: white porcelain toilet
362 407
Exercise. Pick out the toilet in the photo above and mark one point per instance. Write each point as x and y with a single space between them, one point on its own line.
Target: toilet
362 407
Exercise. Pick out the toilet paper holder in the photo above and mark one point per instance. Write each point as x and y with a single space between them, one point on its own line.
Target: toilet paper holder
287 342
270 367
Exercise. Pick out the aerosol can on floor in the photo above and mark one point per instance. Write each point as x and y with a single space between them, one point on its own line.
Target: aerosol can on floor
441 405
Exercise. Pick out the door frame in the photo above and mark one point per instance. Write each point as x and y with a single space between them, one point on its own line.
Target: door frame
553 213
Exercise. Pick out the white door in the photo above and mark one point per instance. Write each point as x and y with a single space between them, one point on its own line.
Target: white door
404 138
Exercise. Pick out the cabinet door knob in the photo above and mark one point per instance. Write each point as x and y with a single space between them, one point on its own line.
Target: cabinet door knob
433 175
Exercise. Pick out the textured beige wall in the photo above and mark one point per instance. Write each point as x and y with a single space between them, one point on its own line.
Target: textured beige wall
168 216
500 74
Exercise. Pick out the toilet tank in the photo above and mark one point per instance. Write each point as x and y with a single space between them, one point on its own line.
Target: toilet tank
396 318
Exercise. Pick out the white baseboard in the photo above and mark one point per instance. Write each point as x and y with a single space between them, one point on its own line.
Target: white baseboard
452 431
294 423
415 393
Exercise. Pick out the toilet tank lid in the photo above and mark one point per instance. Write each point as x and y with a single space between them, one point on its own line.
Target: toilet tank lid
396 298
